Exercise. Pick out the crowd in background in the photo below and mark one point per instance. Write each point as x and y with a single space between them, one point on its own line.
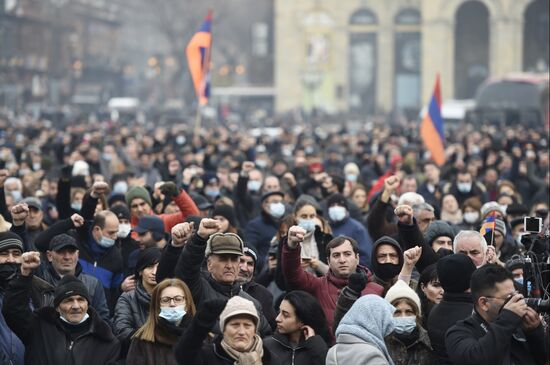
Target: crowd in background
149 244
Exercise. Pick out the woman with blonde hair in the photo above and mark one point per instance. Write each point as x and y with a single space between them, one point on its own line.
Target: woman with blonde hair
171 310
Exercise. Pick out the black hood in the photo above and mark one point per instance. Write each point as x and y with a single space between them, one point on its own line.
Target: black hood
386 240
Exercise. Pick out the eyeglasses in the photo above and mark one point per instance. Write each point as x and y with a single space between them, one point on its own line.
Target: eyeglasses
178 299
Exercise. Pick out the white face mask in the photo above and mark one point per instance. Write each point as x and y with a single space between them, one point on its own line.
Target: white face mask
464 187
86 316
124 230
337 213
471 217
277 210
120 187
254 185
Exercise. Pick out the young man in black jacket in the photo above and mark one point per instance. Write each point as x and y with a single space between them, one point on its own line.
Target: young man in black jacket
69 332
502 329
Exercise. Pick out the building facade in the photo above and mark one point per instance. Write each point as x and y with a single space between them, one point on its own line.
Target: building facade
368 57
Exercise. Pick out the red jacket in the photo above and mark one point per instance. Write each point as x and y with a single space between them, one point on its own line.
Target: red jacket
187 207
326 288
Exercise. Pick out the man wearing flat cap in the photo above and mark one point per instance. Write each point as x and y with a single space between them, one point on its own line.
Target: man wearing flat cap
70 331
222 252
63 260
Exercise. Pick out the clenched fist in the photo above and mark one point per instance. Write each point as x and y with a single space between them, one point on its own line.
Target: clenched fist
29 262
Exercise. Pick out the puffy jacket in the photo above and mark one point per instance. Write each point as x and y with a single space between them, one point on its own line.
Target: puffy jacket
326 288
45 337
131 312
203 287
312 351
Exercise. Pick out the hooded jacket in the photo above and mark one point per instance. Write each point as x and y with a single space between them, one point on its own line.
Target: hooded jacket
378 268
47 341
326 288
360 337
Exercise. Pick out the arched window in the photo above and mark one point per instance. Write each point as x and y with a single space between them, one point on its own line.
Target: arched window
362 62
407 64
471 48
535 36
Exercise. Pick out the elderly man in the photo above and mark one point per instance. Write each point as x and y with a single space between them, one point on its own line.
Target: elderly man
343 260
63 260
222 252
472 244
69 332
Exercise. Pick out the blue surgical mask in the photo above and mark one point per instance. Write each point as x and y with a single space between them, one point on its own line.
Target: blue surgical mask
106 242
404 324
254 185
172 314
337 213
519 281
307 224
86 316
277 210
464 187
212 193
120 187
76 206
351 177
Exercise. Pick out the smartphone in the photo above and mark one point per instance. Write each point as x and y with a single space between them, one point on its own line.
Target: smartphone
532 224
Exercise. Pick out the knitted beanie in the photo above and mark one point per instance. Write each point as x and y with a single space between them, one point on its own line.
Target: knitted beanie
10 240
438 229
454 272
138 192
238 305
401 290
67 287
226 211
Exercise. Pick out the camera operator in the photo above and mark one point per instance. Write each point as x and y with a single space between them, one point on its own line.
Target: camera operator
502 329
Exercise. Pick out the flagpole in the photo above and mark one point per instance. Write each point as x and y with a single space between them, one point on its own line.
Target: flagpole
198 120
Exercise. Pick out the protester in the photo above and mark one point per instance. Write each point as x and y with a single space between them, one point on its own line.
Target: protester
170 313
429 291
502 329
360 338
70 331
409 342
222 252
238 343
454 272
132 307
302 333
343 256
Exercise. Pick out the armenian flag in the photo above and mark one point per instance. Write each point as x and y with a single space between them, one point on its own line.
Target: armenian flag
198 53
431 128
488 227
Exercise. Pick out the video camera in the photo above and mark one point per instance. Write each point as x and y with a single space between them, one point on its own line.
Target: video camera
536 265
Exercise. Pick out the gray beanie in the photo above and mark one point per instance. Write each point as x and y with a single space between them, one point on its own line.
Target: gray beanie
438 229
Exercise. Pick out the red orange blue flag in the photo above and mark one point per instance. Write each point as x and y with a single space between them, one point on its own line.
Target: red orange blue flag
431 128
198 53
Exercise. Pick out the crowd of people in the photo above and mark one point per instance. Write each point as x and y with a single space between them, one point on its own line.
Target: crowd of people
148 244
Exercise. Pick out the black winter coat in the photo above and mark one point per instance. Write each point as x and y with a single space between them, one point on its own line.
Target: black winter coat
453 308
312 351
264 296
131 312
47 341
474 341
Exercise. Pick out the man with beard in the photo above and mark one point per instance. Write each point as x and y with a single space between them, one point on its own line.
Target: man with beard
247 264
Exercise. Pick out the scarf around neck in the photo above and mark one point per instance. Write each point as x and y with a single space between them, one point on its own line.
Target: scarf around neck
251 357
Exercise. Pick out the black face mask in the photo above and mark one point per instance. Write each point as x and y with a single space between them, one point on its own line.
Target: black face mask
387 271
7 272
